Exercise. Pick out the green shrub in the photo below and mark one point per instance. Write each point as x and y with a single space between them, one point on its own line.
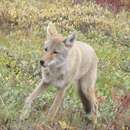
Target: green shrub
22 33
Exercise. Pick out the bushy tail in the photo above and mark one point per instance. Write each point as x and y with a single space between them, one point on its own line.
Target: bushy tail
85 101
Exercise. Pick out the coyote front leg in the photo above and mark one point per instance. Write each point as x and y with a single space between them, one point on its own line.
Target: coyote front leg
56 104
42 86
26 109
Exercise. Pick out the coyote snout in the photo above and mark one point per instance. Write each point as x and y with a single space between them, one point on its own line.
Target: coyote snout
42 63
64 60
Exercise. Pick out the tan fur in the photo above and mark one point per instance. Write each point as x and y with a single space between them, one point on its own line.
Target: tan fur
79 65
57 39
49 56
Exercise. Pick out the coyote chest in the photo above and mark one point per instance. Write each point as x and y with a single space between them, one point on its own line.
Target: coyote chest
55 76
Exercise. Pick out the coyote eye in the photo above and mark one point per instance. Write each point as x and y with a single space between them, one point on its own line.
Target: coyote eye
45 49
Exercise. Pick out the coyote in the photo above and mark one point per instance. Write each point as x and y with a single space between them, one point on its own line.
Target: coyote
66 60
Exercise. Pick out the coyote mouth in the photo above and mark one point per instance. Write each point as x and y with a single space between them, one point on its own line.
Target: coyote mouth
44 66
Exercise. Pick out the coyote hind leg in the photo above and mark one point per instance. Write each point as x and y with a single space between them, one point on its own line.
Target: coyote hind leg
86 87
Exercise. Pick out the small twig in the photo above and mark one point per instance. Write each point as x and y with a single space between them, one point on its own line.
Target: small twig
4 104
2 101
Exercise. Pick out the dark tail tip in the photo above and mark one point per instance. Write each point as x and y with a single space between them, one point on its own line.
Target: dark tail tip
85 101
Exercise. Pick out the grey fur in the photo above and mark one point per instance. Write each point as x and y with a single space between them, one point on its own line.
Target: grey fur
74 61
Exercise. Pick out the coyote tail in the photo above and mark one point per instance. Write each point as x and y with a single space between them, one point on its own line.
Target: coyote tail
85 101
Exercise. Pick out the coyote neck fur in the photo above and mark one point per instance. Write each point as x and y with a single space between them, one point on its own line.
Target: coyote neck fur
56 75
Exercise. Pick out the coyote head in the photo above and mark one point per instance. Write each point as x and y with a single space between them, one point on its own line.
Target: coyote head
56 47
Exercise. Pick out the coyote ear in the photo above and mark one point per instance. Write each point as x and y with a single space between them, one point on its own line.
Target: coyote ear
69 41
51 30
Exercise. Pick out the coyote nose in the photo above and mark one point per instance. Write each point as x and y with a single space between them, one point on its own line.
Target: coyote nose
42 62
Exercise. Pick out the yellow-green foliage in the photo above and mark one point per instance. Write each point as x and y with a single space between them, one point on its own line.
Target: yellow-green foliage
88 17
22 33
